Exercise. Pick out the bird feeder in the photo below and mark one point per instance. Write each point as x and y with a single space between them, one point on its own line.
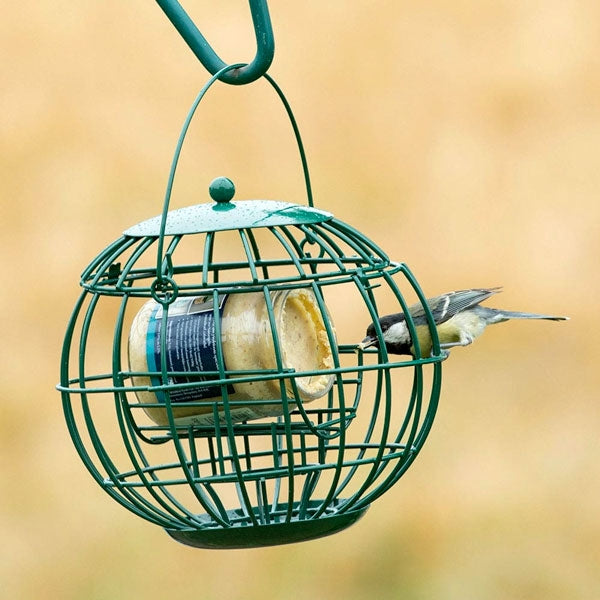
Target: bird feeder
204 382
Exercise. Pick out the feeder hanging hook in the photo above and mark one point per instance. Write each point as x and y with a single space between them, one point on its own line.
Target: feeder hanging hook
265 43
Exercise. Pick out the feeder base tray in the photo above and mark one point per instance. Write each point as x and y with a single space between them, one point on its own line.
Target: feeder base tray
246 535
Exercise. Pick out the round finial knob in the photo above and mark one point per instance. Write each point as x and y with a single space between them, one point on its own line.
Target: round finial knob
221 189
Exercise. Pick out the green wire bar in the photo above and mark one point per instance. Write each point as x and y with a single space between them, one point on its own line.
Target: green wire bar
310 468
265 43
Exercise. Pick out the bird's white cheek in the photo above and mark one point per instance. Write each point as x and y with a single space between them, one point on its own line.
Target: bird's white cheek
397 334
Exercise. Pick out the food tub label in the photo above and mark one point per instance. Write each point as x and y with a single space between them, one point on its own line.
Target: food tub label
191 346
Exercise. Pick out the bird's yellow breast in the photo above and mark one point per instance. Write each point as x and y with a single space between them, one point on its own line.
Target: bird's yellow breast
448 332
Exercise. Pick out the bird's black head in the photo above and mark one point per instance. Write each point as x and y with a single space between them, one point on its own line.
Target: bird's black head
395 335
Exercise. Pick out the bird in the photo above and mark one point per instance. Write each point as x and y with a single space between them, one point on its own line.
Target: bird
458 316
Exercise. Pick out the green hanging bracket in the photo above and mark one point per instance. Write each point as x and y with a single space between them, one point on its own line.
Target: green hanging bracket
265 43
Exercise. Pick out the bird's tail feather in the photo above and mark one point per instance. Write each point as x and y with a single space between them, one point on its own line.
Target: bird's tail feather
505 315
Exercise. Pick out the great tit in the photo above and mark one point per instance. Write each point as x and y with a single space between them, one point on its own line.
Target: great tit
458 316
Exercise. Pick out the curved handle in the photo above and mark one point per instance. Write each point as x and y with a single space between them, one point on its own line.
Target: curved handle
163 268
265 43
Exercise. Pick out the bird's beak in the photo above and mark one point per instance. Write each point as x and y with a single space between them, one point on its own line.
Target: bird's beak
368 341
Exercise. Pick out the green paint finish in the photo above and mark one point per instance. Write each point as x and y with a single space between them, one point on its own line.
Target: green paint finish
226 215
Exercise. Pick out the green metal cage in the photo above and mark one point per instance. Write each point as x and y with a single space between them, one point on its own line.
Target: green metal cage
306 470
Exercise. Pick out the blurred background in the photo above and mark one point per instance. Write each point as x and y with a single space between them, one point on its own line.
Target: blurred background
461 136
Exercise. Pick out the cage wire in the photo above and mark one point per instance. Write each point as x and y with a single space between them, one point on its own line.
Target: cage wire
211 475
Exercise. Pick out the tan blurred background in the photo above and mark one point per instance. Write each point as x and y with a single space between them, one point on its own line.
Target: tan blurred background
462 136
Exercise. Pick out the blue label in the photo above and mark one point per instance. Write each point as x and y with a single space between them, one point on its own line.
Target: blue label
191 346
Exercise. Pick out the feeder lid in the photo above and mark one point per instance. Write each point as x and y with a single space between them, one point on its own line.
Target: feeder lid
224 214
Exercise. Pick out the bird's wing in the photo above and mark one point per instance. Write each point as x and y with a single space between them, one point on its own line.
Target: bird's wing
444 307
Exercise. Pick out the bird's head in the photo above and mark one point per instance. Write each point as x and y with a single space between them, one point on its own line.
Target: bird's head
395 335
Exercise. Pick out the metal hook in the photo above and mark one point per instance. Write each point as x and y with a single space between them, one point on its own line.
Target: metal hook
265 43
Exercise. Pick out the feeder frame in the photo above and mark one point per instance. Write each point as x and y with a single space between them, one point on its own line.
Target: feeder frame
308 447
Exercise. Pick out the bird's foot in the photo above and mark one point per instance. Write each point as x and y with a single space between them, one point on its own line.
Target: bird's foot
464 341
